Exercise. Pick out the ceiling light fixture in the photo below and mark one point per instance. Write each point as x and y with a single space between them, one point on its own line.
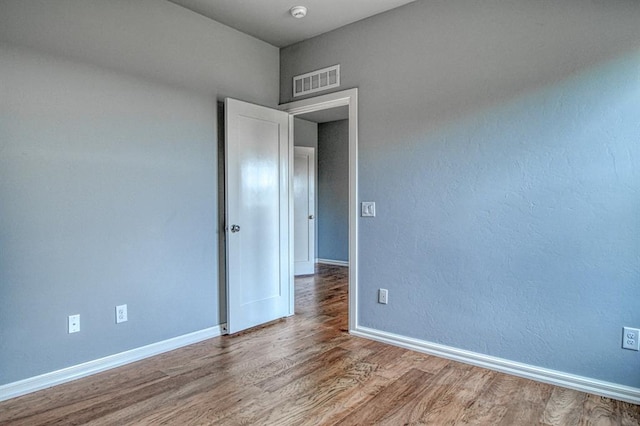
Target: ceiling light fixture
298 11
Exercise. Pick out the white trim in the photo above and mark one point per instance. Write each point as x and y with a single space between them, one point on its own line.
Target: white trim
32 384
333 262
292 260
350 98
545 375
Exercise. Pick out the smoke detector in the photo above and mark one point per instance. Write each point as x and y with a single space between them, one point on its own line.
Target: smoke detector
298 11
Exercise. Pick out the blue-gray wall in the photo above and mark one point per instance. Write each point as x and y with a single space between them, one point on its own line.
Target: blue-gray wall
108 173
501 142
305 133
333 191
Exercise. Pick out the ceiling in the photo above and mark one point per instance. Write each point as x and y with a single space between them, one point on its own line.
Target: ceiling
270 21
326 115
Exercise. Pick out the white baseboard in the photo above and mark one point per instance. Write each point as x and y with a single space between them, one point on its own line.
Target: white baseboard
32 384
333 262
558 378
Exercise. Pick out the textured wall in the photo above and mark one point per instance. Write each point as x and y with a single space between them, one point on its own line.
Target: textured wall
152 39
333 190
108 173
500 141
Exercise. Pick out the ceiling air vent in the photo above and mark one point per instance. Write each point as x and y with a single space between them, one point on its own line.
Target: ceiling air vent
315 81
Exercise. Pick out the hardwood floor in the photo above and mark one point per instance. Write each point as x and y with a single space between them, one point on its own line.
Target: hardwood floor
306 370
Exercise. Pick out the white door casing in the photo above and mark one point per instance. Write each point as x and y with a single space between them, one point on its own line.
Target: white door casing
257 158
304 177
347 97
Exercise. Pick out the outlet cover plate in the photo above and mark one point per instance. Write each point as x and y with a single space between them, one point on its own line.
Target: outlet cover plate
383 296
121 314
631 338
74 323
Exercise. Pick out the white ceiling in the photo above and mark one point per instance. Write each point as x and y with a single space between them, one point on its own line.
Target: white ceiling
270 21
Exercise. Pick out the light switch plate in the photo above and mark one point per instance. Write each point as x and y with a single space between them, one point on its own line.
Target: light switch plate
368 209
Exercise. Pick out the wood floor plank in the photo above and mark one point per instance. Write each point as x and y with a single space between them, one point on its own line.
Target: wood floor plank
408 359
437 401
290 375
489 405
629 414
599 411
456 397
402 394
307 370
294 403
367 387
564 408
527 400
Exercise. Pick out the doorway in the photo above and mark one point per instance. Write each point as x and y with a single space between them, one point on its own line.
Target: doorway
325 135
248 125
339 102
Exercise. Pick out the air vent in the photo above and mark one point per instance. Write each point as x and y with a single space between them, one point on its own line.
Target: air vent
316 81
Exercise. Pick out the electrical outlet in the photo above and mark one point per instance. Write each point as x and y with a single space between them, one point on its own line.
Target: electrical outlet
74 323
383 296
630 338
121 314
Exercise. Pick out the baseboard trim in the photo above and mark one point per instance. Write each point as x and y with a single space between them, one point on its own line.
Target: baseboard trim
554 377
333 262
32 384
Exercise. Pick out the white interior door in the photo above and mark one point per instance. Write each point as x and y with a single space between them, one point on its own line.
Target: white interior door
304 179
259 280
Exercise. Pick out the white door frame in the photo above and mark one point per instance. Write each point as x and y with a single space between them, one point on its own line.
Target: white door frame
349 98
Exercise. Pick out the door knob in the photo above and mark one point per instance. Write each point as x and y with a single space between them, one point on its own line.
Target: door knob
310 216
235 228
